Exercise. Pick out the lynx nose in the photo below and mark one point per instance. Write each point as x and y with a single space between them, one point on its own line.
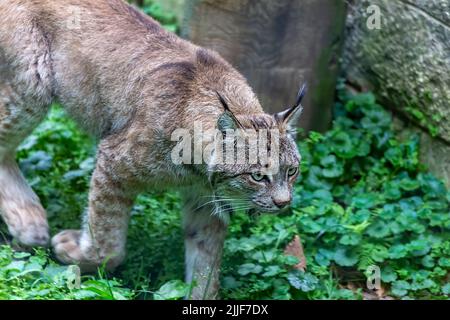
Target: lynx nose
282 202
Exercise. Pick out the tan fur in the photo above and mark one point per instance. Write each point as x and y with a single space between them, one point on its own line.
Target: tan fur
130 84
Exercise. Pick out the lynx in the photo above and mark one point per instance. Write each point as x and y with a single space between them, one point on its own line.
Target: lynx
130 84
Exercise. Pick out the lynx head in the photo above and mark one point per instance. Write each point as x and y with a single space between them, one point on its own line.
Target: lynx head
259 162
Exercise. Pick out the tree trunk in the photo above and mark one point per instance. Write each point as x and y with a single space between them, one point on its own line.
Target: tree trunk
277 45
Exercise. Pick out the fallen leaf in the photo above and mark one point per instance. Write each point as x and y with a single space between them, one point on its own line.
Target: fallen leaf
379 294
295 248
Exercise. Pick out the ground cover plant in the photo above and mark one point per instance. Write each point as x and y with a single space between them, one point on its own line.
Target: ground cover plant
364 202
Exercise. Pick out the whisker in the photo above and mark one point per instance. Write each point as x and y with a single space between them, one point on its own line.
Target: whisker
236 208
239 202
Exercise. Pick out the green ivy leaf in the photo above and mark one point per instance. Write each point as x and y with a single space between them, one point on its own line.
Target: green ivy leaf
379 253
342 145
444 262
432 187
350 239
172 290
398 251
303 281
388 274
378 229
446 289
345 257
365 201
428 261
400 288
332 167
230 282
392 191
376 120
361 100
395 157
409 184
323 195
271 271
419 247
315 181
324 256
248 268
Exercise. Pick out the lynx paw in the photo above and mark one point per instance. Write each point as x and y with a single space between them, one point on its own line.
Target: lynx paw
27 224
66 246
34 235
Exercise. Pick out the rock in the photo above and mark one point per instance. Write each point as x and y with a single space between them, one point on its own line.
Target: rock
407 63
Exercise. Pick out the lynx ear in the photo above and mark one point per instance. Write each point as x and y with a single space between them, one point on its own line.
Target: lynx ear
227 121
291 115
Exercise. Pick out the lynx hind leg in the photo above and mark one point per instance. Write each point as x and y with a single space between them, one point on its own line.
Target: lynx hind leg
20 208
204 238
25 95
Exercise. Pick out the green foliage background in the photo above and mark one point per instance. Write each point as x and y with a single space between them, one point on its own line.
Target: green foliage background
364 199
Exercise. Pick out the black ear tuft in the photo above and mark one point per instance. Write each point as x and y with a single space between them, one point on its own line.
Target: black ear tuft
223 102
291 115
301 94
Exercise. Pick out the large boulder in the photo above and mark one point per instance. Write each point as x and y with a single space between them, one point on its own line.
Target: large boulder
406 61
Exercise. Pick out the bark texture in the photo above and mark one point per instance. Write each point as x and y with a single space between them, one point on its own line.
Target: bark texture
277 45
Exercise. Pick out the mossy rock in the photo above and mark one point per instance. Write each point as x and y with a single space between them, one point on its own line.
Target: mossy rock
406 61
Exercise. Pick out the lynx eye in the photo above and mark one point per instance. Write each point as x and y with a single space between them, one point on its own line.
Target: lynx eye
292 171
258 176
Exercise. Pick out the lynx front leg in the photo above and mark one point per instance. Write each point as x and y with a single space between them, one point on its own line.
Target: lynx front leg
103 236
204 238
